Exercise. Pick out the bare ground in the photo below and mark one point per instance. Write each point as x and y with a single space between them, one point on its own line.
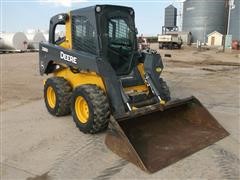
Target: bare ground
37 145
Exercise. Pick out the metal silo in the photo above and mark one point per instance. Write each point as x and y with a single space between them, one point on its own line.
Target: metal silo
234 29
170 16
170 23
201 17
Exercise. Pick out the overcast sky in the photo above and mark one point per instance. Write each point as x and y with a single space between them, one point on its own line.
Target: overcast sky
21 15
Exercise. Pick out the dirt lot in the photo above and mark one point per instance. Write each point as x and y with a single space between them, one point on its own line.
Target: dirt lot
36 144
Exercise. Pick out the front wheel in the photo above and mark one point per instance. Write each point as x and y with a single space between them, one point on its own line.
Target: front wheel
90 109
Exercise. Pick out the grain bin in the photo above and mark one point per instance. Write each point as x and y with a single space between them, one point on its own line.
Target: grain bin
34 39
13 41
203 17
170 20
234 29
170 16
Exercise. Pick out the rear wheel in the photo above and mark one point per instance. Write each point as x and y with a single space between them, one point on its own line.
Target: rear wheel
164 90
90 109
57 94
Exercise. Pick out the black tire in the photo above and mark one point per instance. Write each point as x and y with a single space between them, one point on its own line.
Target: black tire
62 90
164 90
99 111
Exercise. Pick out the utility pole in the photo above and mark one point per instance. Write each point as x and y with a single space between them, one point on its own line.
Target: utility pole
226 17
229 16
180 15
231 6
205 29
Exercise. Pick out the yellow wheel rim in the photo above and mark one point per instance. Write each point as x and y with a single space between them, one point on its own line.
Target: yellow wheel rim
81 109
51 97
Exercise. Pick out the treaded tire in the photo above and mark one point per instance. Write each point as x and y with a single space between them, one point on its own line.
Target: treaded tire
164 90
63 92
99 111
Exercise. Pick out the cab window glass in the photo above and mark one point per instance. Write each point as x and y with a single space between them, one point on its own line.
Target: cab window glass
60 34
83 35
118 32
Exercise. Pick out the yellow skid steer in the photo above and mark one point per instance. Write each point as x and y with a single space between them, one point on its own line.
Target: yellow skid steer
101 78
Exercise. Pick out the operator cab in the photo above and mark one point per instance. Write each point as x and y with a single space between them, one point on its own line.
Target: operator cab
106 31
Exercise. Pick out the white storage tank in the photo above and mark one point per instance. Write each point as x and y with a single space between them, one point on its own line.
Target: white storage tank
46 35
34 39
13 41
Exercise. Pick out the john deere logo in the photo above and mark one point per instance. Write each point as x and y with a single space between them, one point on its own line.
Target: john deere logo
68 57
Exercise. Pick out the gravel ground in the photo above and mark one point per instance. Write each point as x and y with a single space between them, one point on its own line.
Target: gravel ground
38 146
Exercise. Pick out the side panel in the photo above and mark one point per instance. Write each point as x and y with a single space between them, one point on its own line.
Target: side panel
49 53
81 78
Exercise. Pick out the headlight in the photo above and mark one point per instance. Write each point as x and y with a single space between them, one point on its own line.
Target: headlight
158 69
60 17
131 12
98 9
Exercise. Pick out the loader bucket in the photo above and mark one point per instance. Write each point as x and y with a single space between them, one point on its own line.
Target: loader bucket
155 137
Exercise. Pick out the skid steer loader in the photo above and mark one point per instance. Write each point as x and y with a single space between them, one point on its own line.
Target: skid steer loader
101 78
